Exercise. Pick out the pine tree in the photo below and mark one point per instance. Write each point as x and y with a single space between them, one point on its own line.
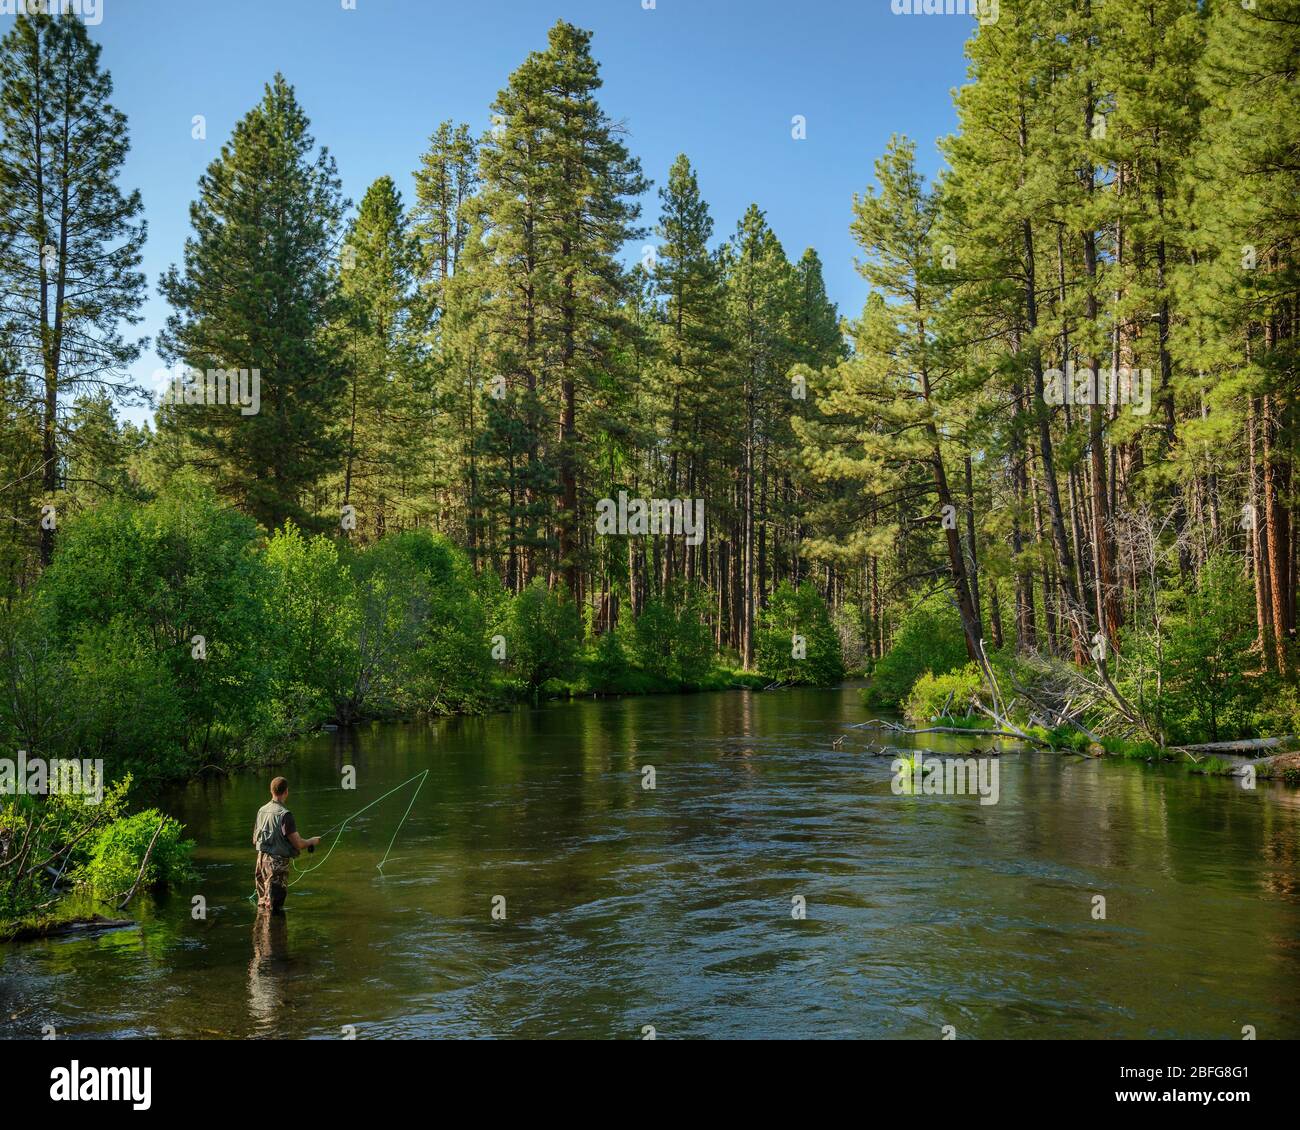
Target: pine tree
558 201
385 455
70 240
692 344
895 228
257 292
1242 292
760 304
444 184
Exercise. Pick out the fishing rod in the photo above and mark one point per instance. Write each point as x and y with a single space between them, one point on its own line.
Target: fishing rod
348 819
312 847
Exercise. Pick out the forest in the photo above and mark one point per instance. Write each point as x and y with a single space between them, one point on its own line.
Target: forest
1042 481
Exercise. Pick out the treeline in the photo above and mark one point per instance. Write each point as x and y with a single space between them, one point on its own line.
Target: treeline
1063 426
478 362
173 636
1075 378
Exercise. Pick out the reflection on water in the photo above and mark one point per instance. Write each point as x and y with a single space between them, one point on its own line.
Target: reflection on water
268 969
625 907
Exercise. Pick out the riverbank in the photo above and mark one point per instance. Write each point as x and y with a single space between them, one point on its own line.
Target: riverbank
1273 759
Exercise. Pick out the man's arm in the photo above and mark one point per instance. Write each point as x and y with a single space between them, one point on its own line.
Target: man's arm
302 844
289 827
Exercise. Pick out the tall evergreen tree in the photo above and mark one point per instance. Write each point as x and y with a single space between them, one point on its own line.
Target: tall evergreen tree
385 457
895 229
70 239
760 304
692 374
559 201
258 291
1244 290
444 183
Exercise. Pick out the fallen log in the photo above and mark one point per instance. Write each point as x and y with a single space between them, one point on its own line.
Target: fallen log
1244 745
54 928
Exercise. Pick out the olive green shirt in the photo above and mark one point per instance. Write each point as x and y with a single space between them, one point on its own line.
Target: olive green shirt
273 829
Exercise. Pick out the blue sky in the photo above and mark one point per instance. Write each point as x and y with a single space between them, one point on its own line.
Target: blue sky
719 80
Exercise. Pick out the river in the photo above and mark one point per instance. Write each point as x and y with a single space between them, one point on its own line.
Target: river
538 889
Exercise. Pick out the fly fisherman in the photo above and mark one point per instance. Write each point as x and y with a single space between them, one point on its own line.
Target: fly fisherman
275 835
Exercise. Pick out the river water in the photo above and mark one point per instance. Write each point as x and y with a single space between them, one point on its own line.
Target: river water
620 908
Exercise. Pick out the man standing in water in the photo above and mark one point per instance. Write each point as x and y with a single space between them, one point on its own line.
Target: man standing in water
275 835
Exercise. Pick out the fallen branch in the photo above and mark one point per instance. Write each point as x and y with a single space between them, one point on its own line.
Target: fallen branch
71 843
969 732
1016 731
44 928
143 864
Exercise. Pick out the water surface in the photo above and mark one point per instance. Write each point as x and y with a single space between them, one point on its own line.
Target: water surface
672 908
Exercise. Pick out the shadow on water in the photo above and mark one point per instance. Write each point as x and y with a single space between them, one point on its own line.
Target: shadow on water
626 906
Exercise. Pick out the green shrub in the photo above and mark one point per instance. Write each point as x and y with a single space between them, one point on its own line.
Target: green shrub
608 666
1197 678
948 694
795 621
1207 653
119 851
57 822
544 633
312 595
421 635
130 591
670 640
930 638
1279 714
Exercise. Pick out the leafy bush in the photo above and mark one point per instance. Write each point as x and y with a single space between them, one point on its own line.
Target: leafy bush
950 693
39 829
671 640
1208 652
1196 677
312 596
120 849
130 591
930 638
1280 713
421 636
608 666
544 632
795 616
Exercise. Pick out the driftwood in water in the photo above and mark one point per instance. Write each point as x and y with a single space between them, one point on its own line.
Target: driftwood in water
965 731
